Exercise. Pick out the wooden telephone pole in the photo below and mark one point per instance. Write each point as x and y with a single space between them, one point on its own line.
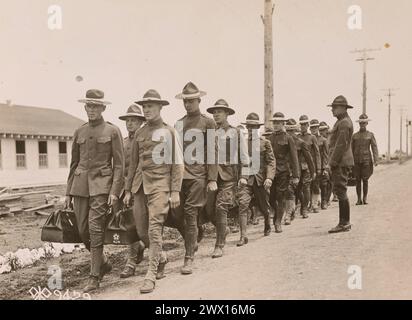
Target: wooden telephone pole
389 95
364 58
268 38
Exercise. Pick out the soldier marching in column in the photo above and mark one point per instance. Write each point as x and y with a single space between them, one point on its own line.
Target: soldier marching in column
274 171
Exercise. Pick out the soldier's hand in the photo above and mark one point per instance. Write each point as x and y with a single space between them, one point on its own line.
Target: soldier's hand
127 198
212 186
295 181
112 200
242 182
267 184
174 199
68 203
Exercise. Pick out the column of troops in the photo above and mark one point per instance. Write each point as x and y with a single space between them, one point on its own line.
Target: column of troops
301 164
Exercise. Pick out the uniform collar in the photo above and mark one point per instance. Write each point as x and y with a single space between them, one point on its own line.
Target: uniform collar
95 123
131 135
225 125
342 116
193 114
155 123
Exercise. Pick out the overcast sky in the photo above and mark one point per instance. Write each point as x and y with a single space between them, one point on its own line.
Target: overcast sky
127 47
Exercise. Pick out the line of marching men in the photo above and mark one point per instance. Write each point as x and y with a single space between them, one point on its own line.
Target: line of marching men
299 162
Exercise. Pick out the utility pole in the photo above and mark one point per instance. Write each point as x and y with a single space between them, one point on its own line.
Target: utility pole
389 95
400 133
268 61
407 137
364 58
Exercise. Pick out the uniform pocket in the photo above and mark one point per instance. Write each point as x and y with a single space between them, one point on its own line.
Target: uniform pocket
103 144
105 172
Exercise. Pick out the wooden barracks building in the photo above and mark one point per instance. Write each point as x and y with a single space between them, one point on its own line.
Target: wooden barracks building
35 145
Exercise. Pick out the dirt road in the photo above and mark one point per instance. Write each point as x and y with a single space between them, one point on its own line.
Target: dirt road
305 262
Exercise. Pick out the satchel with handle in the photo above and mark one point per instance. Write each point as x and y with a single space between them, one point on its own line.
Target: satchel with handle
61 226
121 228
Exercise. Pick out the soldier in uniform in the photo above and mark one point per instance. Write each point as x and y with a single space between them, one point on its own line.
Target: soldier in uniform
323 151
231 170
259 183
154 178
134 119
341 159
306 170
362 143
95 180
199 176
326 184
287 167
313 193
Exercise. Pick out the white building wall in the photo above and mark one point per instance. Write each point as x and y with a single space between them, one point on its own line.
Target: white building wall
10 176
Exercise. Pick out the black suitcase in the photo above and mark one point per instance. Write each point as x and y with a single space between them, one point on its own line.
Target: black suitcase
61 226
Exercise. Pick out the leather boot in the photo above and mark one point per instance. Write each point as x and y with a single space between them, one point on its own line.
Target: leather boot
340 228
148 286
187 266
358 192
200 233
324 205
267 229
315 199
365 191
217 253
289 211
160 274
243 240
92 284
344 212
127 272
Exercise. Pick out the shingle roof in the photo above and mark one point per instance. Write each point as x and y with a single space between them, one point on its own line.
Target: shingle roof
40 121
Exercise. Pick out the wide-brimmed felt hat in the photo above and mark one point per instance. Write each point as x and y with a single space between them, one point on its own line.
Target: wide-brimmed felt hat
340 101
314 123
94 96
252 119
303 119
152 96
278 116
133 111
323 125
363 118
190 91
268 132
291 124
221 104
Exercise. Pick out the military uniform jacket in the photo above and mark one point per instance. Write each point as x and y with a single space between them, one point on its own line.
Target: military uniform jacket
145 167
284 149
304 156
97 163
197 123
267 161
340 151
323 150
362 143
127 143
312 144
236 168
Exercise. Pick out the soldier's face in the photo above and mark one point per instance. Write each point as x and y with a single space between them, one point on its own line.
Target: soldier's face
191 105
324 133
304 127
314 130
363 125
133 123
338 110
151 111
278 125
251 127
94 111
220 116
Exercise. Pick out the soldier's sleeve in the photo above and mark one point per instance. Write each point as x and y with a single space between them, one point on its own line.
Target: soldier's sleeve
316 151
308 157
178 168
352 143
324 154
134 162
244 159
118 162
270 160
293 157
374 146
212 169
73 163
342 144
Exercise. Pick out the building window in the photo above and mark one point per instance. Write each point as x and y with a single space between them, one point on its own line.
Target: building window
42 154
21 154
63 154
